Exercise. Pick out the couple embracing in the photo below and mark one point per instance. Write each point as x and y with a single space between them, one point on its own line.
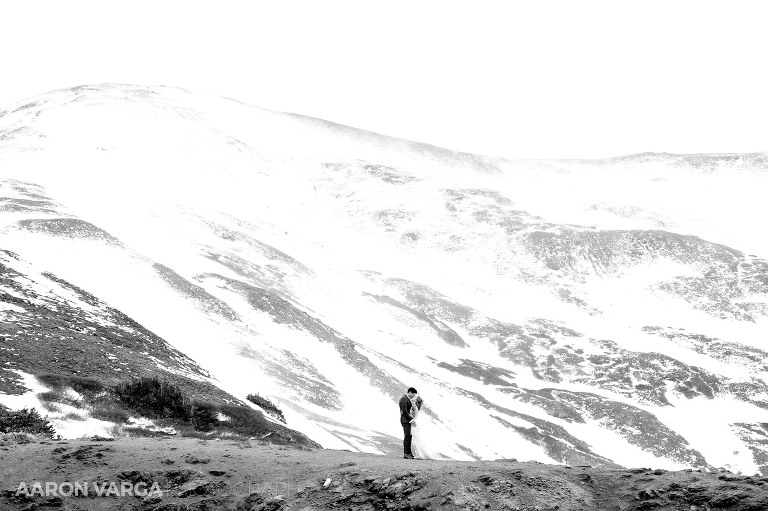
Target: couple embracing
410 409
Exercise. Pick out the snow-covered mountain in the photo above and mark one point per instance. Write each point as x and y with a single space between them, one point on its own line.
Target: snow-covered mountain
582 311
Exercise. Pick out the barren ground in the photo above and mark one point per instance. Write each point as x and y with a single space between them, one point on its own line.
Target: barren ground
251 475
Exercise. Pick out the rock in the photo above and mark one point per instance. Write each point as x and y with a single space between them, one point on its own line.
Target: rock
202 505
166 507
193 460
394 491
252 501
199 487
644 495
700 498
348 464
648 504
52 501
485 479
728 499
760 504
273 504
672 496
696 494
217 473
152 498
179 477
732 477
136 476
167 462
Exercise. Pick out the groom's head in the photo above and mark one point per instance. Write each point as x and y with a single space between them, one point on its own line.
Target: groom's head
412 392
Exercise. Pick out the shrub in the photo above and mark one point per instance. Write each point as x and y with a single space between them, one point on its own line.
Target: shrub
154 397
204 416
52 397
80 384
107 411
25 421
268 406
139 432
246 421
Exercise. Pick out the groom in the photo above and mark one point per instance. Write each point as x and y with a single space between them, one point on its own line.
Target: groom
406 419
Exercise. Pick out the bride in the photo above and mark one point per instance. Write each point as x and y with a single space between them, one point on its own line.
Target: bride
421 431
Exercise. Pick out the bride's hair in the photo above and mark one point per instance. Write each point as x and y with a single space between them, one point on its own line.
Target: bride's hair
419 402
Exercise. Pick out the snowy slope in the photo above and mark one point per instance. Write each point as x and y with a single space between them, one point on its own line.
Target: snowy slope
608 311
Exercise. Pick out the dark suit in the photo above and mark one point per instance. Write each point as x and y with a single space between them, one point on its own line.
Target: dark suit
405 420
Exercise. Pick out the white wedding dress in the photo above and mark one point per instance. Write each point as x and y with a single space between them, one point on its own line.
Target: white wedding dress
420 444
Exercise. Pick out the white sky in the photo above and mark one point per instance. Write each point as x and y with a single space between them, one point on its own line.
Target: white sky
518 79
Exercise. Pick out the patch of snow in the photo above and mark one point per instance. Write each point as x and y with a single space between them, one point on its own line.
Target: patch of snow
149 425
66 427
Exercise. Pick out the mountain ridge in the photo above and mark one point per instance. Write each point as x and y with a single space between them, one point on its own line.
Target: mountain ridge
562 309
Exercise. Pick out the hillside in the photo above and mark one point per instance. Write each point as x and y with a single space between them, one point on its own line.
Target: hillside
607 312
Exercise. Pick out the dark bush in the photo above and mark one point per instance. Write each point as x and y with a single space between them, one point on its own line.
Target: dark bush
88 386
25 421
142 433
107 411
246 421
204 416
268 406
153 397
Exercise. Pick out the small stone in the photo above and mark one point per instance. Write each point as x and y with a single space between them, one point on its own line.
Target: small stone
189 458
273 504
728 499
199 487
178 477
53 501
485 479
249 502
154 497
644 495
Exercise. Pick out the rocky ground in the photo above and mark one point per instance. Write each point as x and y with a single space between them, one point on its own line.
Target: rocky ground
170 474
